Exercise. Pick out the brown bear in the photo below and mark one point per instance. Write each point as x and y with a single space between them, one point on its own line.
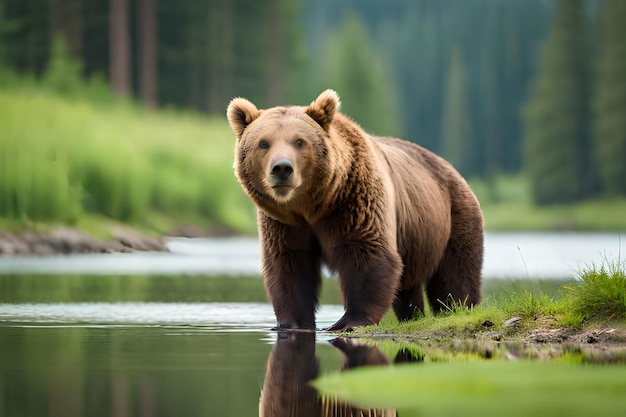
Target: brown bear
388 216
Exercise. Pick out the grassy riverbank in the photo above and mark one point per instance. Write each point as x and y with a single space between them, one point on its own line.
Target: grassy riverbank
597 296
70 162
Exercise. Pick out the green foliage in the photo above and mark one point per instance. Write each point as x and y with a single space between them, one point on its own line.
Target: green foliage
286 51
502 189
600 292
64 76
271 52
572 319
361 79
530 304
555 137
114 185
35 184
610 99
493 388
34 176
62 158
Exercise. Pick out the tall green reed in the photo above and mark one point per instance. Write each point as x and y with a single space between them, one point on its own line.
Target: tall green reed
61 158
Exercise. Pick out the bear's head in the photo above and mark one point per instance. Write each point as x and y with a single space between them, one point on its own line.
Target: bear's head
280 151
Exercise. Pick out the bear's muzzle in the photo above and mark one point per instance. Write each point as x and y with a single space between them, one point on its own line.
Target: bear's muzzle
281 172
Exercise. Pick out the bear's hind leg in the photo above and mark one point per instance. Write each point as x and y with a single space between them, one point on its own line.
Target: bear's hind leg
408 303
457 279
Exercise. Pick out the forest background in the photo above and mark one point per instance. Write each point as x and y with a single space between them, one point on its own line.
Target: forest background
114 108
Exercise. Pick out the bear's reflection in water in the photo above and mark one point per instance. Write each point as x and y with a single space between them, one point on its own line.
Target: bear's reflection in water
292 365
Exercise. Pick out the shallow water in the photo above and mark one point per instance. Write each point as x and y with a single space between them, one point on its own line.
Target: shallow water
218 317
147 359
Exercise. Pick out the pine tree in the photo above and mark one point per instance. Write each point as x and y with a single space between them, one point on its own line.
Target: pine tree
609 102
556 133
63 74
66 21
455 120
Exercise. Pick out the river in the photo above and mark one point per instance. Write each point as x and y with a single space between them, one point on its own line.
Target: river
143 333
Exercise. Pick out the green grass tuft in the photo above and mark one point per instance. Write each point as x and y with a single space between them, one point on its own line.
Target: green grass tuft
600 292
527 303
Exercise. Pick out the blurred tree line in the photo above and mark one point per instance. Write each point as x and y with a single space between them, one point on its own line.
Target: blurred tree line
575 116
495 86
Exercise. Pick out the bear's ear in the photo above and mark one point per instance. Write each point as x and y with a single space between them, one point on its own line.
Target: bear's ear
324 107
240 114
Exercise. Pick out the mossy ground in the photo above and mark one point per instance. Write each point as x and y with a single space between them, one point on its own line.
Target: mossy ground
585 317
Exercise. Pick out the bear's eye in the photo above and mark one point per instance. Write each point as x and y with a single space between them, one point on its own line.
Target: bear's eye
264 145
299 143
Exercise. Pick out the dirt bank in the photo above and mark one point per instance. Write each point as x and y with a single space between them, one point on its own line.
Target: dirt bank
66 240
599 343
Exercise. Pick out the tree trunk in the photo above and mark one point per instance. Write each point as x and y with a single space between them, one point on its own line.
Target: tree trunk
148 52
119 67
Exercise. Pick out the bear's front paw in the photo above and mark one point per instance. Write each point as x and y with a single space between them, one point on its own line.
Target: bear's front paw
348 323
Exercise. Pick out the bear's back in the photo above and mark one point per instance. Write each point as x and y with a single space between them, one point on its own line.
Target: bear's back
421 182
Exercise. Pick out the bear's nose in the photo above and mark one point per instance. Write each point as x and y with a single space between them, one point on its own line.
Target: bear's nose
281 170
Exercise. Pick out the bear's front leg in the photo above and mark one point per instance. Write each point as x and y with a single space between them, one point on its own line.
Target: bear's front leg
369 276
291 260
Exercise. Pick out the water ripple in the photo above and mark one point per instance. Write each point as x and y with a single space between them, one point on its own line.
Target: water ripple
232 317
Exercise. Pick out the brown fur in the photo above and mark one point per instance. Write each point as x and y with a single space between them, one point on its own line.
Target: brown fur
390 217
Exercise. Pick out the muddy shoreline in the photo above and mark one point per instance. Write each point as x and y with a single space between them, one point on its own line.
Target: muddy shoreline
67 240
602 343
